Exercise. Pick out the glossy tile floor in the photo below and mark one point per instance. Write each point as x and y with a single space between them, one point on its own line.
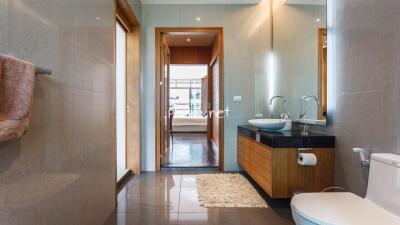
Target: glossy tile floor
171 198
191 150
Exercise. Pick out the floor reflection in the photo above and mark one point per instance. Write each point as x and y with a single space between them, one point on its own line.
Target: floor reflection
171 198
190 150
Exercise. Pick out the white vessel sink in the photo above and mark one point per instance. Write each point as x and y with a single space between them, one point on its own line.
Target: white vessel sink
268 124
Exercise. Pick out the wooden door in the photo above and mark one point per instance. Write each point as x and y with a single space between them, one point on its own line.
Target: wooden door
165 122
209 104
215 106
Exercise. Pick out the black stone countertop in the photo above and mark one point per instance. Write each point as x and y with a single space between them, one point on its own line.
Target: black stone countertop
287 139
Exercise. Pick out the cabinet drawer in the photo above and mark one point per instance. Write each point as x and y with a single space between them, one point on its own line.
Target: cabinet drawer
265 171
262 181
243 154
244 161
262 159
262 151
256 161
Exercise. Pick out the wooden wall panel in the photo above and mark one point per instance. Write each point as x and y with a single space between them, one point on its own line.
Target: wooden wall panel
190 55
216 48
133 101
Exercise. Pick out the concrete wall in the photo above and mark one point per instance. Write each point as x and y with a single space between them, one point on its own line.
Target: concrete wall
365 88
63 170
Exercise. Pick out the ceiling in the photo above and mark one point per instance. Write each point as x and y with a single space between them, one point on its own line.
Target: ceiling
305 2
196 39
200 1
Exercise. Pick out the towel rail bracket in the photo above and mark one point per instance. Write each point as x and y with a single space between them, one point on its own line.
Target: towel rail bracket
41 70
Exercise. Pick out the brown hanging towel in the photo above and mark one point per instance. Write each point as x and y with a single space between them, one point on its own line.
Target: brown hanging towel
17 80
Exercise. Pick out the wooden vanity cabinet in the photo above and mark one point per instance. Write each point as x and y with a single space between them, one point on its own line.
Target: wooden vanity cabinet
276 169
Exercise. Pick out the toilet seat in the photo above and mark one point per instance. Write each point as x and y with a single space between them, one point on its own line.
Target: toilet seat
341 208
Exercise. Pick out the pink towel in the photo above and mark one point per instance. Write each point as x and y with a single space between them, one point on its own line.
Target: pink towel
17 80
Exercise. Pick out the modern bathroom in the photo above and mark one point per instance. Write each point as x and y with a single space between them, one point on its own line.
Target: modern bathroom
294 109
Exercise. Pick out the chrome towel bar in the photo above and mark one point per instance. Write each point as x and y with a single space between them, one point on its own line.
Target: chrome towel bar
41 70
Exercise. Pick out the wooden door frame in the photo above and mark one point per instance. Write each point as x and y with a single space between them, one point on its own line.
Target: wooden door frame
321 71
158 34
126 17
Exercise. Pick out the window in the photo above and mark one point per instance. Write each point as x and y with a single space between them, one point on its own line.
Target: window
185 89
185 97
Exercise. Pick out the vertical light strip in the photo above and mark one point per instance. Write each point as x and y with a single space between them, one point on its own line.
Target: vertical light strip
271 64
331 52
271 80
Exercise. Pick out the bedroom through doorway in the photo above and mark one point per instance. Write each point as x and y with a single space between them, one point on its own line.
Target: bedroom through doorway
189 73
188 102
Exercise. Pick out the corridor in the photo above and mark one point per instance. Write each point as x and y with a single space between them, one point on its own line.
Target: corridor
191 150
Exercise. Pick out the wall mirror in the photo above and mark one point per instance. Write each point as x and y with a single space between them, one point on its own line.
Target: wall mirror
300 58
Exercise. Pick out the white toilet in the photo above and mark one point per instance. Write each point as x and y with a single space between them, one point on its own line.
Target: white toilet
380 207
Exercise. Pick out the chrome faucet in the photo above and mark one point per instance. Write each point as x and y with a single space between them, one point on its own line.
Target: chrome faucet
277 96
303 113
306 98
305 126
285 115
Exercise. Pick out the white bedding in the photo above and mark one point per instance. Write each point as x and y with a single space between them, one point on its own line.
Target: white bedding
189 120
189 124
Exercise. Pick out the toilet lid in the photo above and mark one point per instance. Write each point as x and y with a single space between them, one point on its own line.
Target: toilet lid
341 208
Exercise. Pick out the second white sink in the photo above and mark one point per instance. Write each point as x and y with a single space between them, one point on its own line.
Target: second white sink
268 124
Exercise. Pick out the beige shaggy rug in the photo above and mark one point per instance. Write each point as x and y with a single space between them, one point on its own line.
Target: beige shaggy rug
227 190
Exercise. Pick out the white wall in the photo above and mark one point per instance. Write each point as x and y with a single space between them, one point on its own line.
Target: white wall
247 46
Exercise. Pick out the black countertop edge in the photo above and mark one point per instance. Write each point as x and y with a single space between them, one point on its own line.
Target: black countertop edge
287 139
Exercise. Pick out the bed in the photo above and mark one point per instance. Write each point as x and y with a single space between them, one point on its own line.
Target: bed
189 124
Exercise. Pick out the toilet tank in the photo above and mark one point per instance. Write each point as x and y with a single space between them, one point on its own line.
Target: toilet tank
384 181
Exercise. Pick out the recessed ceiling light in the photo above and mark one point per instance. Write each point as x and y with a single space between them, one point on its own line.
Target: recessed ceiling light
198 19
318 20
188 40
98 18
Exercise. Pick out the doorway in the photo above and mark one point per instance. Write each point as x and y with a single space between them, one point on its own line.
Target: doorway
189 97
188 91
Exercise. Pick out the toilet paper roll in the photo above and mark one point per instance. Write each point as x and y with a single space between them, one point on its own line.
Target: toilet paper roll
307 159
